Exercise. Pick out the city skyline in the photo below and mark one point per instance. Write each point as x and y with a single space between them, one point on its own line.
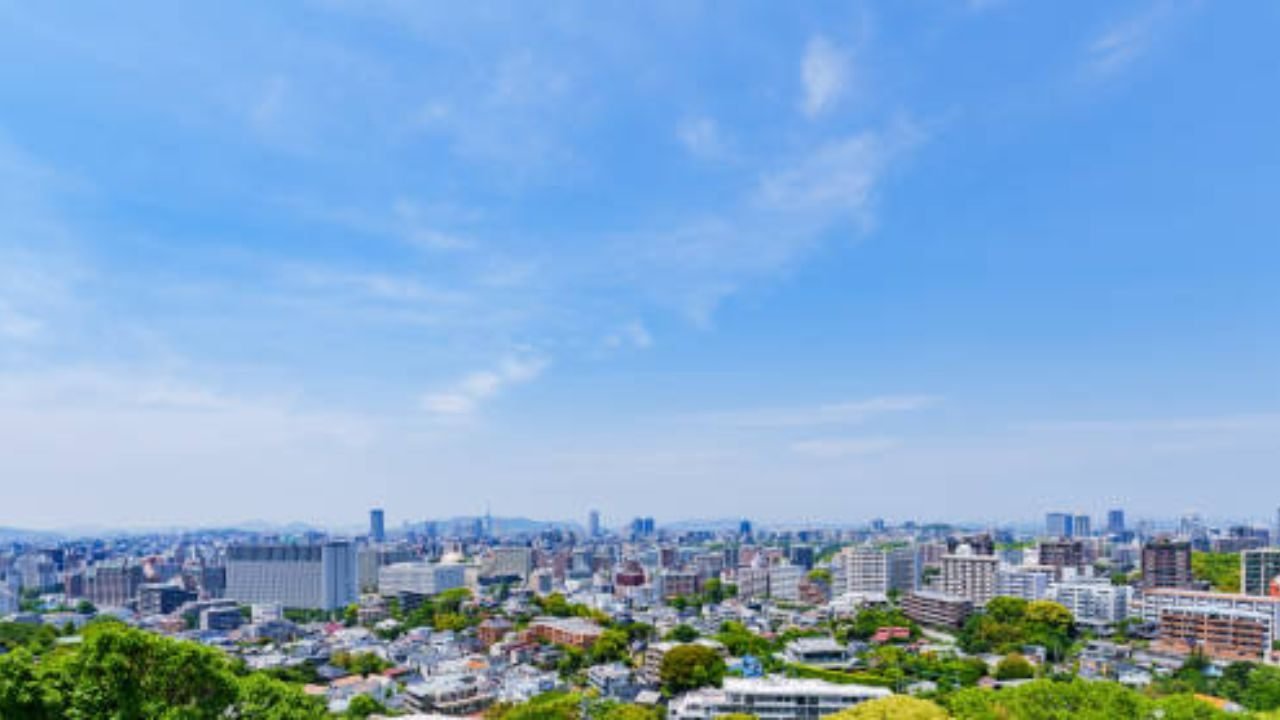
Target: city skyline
979 260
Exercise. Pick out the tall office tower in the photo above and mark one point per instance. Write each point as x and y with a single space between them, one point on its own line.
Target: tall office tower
316 576
1115 521
970 576
593 524
1167 564
873 571
802 555
1081 526
1058 525
1260 572
1066 557
377 527
744 528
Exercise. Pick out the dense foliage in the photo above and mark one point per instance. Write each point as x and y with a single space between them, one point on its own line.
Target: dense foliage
1008 624
869 620
689 667
125 674
1075 700
1221 570
896 707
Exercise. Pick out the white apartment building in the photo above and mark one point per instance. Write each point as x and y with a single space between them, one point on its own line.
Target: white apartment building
753 582
771 698
784 582
314 576
970 576
1156 601
875 571
509 561
1028 583
422 578
1093 601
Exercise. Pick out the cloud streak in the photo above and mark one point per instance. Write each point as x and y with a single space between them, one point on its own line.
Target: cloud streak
843 413
824 74
465 397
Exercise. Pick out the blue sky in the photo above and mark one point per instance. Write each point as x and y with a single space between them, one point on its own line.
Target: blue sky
831 261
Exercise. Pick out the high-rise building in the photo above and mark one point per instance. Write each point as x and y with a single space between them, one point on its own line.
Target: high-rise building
377 528
1167 564
876 571
1115 521
319 576
970 576
802 555
593 524
744 528
510 561
1081 526
1260 572
1058 525
1066 557
1093 602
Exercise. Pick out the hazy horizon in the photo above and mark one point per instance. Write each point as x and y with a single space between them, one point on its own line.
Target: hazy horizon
933 260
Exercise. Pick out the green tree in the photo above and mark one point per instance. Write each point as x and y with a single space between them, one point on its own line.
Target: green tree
23 692
1222 570
362 706
261 698
688 667
614 645
894 707
1014 667
1262 692
682 633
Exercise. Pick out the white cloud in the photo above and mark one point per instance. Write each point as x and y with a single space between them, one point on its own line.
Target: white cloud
633 334
466 396
832 414
700 136
841 176
834 448
1124 42
824 73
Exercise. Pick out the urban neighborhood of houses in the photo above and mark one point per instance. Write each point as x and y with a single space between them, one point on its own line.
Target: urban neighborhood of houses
469 618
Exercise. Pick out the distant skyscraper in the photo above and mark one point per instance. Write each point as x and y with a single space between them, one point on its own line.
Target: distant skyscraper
1167 564
1115 521
1081 526
1058 525
744 528
377 527
593 524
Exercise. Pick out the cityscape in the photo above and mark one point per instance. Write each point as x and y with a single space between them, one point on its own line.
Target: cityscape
505 618
661 360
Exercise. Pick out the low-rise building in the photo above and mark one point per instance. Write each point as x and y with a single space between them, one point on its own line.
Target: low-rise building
817 651
771 698
938 609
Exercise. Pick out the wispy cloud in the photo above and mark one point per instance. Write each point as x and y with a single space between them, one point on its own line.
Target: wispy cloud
701 136
1124 42
843 413
840 176
841 447
824 74
698 264
465 397
633 334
